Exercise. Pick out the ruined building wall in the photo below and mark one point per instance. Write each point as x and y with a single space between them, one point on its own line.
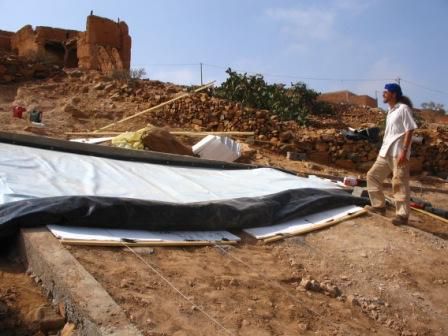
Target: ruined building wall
5 40
105 45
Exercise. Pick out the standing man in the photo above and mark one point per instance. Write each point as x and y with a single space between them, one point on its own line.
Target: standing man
394 156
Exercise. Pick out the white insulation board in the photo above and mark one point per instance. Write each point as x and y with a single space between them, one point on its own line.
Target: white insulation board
99 234
306 222
27 173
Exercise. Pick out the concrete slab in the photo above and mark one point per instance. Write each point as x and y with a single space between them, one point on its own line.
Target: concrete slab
84 300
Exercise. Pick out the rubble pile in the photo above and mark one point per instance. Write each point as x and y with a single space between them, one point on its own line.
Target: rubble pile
15 69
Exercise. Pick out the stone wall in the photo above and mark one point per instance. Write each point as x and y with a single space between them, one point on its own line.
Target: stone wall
321 145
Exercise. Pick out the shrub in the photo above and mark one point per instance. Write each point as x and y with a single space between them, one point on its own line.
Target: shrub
289 103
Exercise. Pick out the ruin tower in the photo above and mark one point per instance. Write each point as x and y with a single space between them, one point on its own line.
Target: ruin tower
104 46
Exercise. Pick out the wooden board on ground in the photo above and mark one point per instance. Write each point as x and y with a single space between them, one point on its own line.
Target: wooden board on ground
431 215
305 224
187 133
118 237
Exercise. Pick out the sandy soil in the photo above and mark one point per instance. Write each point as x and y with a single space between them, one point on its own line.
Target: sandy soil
392 281
24 310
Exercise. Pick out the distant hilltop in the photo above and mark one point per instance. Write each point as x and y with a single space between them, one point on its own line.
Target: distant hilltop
348 97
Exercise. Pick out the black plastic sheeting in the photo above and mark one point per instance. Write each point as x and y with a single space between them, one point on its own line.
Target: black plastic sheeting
126 213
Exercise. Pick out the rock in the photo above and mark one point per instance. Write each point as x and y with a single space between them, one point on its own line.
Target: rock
322 147
180 333
75 74
286 136
319 157
75 112
333 291
48 319
346 164
303 326
160 140
99 86
3 309
68 330
305 283
352 300
75 100
116 97
416 165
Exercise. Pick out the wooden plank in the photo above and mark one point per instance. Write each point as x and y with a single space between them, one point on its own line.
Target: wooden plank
314 227
430 215
154 108
189 133
235 133
112 243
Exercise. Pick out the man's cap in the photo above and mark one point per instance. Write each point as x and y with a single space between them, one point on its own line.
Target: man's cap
394 87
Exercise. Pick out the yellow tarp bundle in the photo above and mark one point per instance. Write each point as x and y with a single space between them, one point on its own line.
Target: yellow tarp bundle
130 140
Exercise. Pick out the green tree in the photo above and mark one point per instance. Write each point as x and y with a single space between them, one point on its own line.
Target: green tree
289 103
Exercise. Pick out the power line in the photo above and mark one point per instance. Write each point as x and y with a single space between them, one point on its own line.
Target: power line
304 77
167 64
424 87
299 77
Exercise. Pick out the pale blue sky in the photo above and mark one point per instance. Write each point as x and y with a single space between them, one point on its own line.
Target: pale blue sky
310 41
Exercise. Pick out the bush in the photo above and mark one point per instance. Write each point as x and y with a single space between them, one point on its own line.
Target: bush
128 75
289 103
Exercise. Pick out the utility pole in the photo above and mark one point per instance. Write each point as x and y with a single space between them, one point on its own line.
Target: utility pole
201 73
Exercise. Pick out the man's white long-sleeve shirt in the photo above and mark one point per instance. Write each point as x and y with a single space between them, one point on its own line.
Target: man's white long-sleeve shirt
399 120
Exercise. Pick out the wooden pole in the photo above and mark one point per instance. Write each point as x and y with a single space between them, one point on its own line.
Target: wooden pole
154 108
235 133
431 215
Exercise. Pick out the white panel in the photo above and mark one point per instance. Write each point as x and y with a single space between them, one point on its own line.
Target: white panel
98 234
92 140
302 222
214 147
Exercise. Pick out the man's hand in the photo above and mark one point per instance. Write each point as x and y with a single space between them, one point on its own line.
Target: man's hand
402 159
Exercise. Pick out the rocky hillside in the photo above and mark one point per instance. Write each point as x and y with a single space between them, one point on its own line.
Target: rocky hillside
85 101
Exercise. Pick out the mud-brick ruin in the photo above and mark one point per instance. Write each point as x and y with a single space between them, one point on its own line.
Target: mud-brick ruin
105 45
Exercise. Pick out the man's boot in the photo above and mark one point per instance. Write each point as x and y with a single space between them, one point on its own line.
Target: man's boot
376 210
400 220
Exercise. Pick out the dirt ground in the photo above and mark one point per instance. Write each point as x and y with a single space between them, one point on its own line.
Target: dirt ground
24 309
370 278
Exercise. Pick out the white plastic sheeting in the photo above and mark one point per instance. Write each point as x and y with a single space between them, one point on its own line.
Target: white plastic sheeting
99 234
221 148
27 172
302 223
92 140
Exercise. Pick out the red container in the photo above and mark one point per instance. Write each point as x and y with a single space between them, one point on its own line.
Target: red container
17 112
